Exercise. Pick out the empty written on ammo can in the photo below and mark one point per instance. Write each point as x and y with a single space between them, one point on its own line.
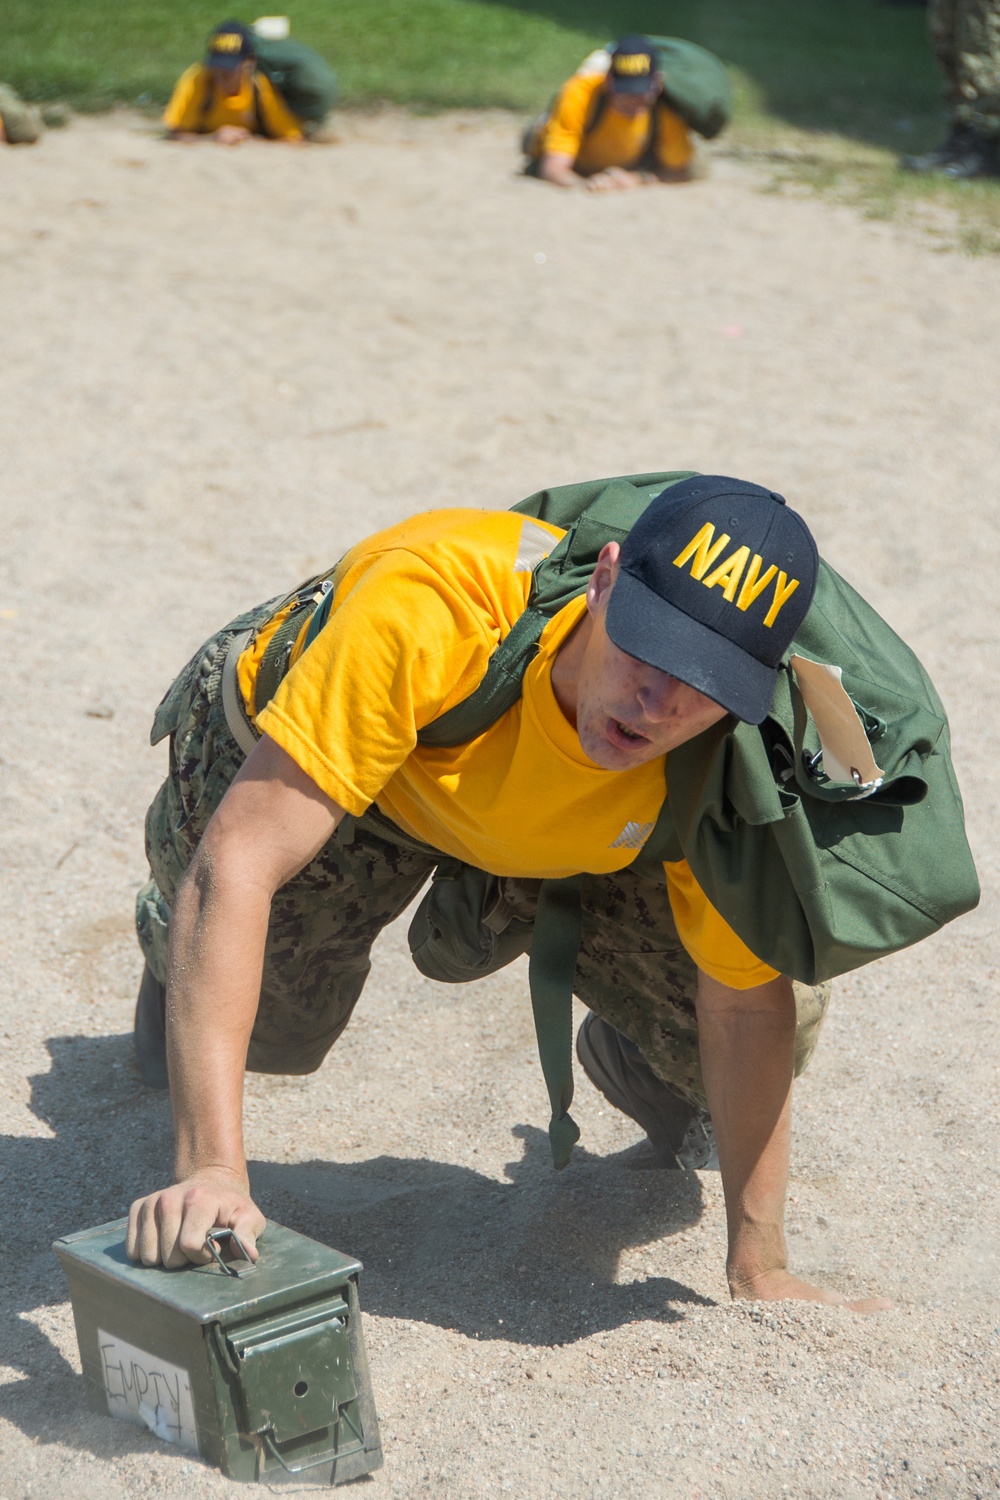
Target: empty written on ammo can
259 1368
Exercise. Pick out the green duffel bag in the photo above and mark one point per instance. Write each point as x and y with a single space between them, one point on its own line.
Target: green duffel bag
696 84
814 875
817 869
305 80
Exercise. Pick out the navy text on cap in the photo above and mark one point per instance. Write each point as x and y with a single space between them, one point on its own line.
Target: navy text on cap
714 580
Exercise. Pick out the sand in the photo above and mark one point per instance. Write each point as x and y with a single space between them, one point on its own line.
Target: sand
221 368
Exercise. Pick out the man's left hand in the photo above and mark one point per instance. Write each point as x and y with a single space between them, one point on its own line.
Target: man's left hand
231 135
747 1043
613 180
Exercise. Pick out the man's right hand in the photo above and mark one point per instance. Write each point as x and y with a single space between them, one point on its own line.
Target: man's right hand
168 1228
231 135
613 180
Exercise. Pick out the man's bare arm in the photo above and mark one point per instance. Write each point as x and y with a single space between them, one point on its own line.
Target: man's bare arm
270 823
747 1040
557 167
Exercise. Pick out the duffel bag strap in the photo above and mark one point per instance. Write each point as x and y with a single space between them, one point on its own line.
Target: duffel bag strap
314 596
239 725
274 662
551 976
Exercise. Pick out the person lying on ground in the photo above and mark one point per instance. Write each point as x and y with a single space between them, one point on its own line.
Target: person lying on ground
610 127
227 98
306 803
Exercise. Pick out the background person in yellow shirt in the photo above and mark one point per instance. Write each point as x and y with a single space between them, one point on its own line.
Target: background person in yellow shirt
226 97
301 814
610 127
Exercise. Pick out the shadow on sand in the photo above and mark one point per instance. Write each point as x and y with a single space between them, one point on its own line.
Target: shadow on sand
531 1259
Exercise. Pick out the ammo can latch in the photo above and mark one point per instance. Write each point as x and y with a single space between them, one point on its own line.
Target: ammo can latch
294 1384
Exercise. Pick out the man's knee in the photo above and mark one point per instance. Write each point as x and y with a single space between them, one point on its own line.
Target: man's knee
152 925
296 1026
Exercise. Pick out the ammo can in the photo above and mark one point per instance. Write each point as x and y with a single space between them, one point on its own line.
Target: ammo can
258 1368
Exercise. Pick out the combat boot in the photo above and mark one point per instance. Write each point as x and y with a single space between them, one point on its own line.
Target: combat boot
959 140
150 1034
680 1135
981 158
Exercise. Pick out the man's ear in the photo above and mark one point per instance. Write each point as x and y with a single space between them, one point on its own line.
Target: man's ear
603 577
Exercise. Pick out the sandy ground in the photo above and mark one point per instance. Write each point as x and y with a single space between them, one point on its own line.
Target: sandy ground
218 370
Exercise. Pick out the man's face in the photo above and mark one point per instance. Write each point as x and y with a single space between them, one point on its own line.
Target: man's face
633 105
229 81
628 713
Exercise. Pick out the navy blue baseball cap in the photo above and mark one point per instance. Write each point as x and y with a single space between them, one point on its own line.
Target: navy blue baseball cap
633 65
230 45
715 579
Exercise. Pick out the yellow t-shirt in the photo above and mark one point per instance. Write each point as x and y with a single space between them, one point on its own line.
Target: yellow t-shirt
616 140
267 115
417 612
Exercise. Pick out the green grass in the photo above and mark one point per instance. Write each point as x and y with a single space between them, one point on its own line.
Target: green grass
837 88
837 64
431 53
963 215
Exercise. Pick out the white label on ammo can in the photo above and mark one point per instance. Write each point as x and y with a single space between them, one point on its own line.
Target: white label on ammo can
148 1390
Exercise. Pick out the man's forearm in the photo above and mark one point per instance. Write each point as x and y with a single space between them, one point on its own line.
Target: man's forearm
747 1042
556 168
272 821
218 931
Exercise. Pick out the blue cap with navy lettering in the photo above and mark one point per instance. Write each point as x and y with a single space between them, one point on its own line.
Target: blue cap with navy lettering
230 45
633 66
715 579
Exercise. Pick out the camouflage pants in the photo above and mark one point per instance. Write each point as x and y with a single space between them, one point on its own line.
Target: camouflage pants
632 968
323 922
965 35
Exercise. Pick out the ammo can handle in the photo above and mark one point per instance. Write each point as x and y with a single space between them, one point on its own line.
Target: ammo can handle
212 1239
313 1463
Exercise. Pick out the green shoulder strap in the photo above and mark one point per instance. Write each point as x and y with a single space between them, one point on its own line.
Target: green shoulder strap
591 514
552 976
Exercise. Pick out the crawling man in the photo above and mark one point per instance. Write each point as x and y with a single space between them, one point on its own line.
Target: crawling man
319 775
